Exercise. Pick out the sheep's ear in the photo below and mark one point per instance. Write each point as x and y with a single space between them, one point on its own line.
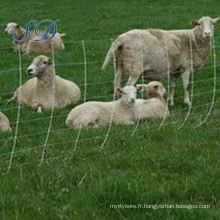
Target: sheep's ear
119 90
215 20
195 22
140 88
49 61
17 26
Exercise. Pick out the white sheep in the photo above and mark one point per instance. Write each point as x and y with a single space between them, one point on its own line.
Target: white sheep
155 106
95 114
4 123
157 53
30 45
38 92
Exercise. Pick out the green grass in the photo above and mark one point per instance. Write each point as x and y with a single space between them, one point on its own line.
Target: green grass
166 166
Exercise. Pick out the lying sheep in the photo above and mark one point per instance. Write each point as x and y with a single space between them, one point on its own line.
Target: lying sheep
30 45
4 123
95 114
157 53
38 92
155 106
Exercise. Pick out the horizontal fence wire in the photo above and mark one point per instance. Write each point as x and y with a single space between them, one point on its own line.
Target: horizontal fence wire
70 152
50 131
69 129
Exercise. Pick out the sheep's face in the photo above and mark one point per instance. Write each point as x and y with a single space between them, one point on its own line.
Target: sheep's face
153 87
11 28
128 94
39 66
4 123
206 26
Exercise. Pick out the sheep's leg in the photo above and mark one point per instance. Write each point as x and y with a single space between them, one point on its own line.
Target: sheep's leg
39 109
134 71
132 80
27 51
185 78
173 83
128 123
12 98
118 79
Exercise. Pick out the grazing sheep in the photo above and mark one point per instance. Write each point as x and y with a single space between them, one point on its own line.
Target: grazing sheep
155 106
30 45
95 114
157 53
38 91
4 123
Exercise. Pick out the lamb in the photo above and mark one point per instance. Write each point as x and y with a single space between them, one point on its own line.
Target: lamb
95 114
157 53
4 123
155 106
30 45
38 92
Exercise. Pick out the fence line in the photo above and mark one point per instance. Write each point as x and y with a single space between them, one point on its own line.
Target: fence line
18 114
86 139
113 110
214 84
90 138
192 85
67 129
105 82
65 115
168 85
85 90
52 110
82 63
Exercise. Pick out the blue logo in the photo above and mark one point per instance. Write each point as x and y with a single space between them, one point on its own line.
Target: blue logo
44 34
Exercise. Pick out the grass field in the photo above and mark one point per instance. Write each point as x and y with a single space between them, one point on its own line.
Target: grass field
155 166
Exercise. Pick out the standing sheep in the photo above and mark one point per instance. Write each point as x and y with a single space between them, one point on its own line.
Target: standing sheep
4 123
30 45
95 114
157 53
155 106
38 92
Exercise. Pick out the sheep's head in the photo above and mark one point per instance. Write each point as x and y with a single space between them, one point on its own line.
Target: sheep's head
11 28
152 88
206 26
39 66
128 94
4 123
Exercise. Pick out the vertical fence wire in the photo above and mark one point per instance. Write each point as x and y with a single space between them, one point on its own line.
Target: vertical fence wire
214 84
18 112
113 110
168 83
192 83
52 110
85 90
142 94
